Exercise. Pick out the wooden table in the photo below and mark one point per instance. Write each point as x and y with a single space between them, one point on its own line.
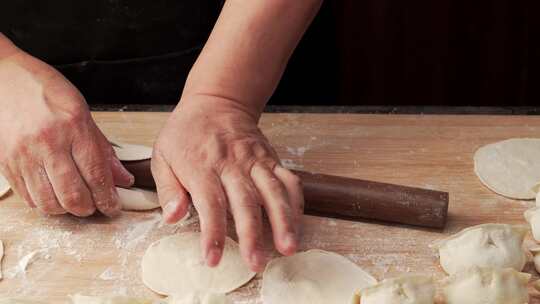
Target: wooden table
96 256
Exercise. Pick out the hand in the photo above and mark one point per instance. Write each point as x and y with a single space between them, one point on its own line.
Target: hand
212 149
53 154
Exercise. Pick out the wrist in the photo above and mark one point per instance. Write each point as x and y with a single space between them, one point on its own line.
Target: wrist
208 103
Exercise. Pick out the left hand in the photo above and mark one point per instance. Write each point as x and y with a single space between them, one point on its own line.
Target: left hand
212 149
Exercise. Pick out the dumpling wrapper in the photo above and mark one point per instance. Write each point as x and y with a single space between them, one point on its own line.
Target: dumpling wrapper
174 265
210 298
487 285
312 277
4 186
19 301
137 199
131 152
185 299
486 245
80 299
510 167
408 289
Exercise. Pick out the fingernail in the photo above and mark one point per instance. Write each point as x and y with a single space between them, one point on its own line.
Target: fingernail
290 242
170 208
125 173
213 256
257 260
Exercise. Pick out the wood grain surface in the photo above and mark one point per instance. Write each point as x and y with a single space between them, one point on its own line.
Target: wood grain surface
97 256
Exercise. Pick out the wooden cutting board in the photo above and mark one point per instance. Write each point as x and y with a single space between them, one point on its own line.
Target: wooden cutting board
97 256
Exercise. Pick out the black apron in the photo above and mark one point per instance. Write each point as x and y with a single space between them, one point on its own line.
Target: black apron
114 51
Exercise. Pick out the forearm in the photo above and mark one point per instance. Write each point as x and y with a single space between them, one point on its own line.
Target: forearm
7 48
248 50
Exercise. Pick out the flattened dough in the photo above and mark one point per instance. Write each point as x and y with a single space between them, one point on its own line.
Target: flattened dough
80 299
510 167
174 265
313 277
137 199
4 186
132 152
487 245
18 301
408 289
211 298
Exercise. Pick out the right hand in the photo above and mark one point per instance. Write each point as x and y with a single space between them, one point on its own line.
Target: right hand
52 152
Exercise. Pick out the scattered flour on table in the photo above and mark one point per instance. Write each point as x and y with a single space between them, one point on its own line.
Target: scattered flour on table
300 151
108 275
291 164
24 262
137 232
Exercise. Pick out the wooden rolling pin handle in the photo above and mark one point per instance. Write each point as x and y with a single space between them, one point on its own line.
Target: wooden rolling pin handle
348 198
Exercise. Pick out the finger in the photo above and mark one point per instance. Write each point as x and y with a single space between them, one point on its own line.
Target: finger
173 198
19 187
96 173
40 189
245 204
121 176
70 189
295 191
277 206
210 201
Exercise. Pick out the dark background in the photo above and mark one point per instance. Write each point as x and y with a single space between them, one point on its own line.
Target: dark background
357 52
390 52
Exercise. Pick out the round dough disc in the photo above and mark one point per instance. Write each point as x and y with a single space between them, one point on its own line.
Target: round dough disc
313 277
4 186
510 167
175 265
80 299
132 152
137 199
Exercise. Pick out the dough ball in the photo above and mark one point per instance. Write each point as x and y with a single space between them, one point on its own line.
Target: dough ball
510 167
4 186
409 289
487 286
487 245
132 152
174 265
312 277
533 218
137 199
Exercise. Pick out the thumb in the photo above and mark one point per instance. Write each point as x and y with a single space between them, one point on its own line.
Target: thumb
121 176
173 198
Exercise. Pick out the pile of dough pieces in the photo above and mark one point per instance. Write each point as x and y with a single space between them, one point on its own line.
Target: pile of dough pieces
511 168
483 263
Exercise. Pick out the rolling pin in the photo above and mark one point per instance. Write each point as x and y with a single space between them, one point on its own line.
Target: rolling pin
351 199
